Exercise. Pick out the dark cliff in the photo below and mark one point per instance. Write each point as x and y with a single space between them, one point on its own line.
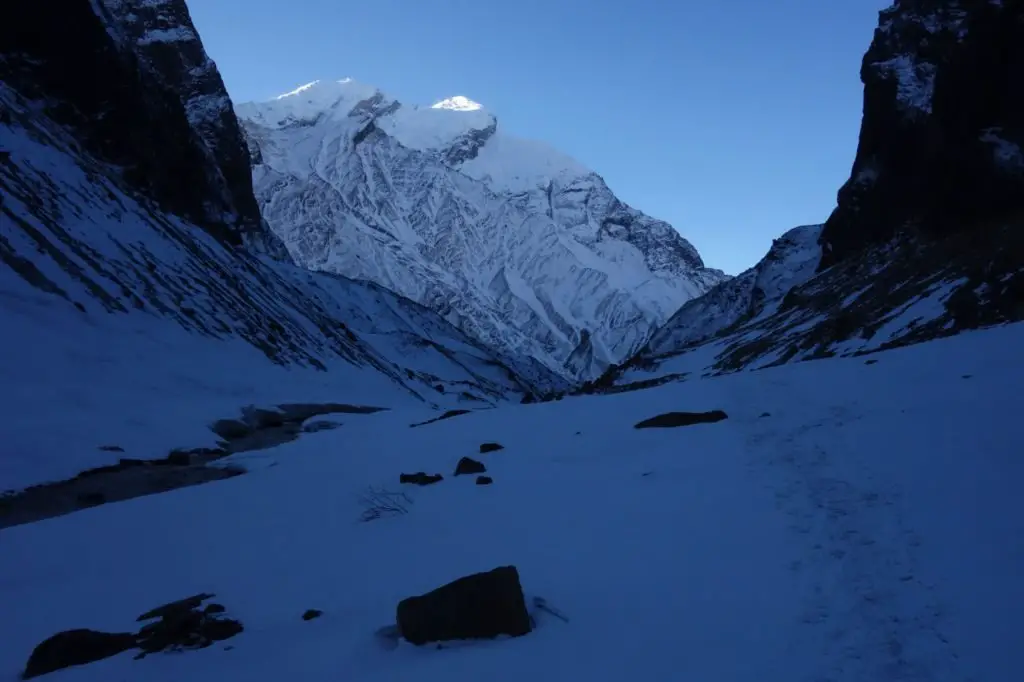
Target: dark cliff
165 40
943 126
131 107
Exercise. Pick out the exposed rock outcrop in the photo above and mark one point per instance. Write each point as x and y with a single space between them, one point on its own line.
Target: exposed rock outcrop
941 139
161 34
130 116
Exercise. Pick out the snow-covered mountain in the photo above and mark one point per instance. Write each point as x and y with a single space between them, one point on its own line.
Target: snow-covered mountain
508 239
757 292
137 293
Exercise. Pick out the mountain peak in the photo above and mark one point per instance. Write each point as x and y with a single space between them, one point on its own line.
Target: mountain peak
514 242
458 103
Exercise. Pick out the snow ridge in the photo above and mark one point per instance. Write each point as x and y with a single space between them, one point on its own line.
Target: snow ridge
510 240
755 293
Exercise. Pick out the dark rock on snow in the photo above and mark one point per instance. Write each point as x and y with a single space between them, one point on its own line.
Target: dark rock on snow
174 607
180 626
674 419
76 647
478 606
447 415
420 478
484 480
490 447
310 614
467 465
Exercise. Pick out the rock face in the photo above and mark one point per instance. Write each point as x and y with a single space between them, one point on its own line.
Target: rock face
508 239
941 139
162 36
478 606
130 116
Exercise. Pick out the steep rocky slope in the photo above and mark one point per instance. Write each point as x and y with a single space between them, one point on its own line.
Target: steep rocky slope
509 240
927 238
138 293
755 293
943 127
160 33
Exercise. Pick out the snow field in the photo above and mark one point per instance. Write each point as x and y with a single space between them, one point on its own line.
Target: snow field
869 528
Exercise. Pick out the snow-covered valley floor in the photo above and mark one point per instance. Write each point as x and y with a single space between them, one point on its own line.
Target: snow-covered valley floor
869 527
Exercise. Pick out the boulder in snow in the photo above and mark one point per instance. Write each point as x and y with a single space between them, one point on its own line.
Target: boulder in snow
674 419
478 606
468 465
420 478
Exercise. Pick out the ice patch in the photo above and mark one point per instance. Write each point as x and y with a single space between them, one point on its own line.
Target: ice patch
178 34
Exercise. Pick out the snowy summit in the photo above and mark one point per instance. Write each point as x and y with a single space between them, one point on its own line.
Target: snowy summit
512 241
458 103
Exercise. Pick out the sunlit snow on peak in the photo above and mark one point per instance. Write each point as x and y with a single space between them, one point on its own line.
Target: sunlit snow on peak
458 103
331 98
303 88
298 90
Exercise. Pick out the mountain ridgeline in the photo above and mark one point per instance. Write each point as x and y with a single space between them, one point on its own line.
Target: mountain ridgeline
927 238
508 239
337 231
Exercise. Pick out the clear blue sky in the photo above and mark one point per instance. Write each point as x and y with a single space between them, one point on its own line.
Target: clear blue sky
734 120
